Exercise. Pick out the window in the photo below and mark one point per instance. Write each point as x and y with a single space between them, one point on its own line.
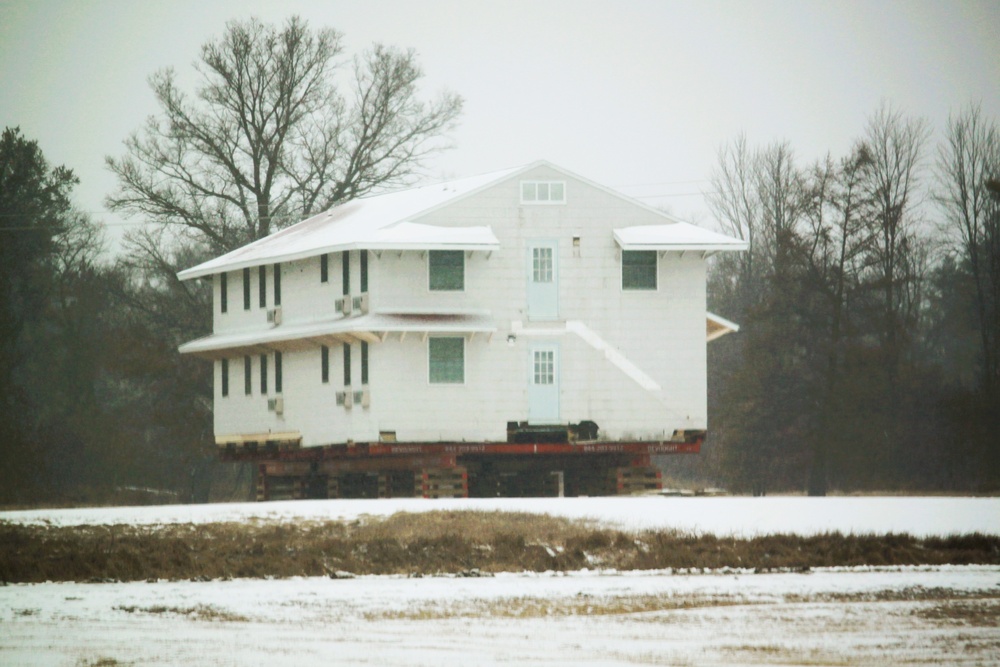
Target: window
544 367
246 289
277 372
347 364
541 265
446 360
363 256
324 364
263 374
225 377
345 267
638 269
262 285
277 284
224 291
247 374
447 270
543 192
364 362
324 268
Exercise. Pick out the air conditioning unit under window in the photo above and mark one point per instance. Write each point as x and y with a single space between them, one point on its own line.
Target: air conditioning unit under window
276 405
344 305
366 398
361 303
345 399
274 316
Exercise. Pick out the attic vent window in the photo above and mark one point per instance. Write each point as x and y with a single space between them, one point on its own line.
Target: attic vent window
543 192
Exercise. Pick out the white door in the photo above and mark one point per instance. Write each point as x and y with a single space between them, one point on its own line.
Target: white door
543 384
543 280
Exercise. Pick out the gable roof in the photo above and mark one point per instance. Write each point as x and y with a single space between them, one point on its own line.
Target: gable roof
385 222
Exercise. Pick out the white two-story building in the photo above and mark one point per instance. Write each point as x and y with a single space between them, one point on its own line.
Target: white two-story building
523 306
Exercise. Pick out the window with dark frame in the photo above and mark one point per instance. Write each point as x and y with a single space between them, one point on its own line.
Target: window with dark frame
446 271
224 292
324 364
262 285
347 364
263 374
277 372
363 257
246 289
225 377
446 360
345 265
247 375
324 268
364 362
638 269
277 284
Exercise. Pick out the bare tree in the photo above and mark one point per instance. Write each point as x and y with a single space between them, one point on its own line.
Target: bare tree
894 145
968 160
270 137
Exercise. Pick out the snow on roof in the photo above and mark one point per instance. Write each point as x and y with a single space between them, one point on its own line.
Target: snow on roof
366 327
385 222
675 236
376 222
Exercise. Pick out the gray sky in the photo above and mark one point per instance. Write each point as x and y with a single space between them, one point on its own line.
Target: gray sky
634 94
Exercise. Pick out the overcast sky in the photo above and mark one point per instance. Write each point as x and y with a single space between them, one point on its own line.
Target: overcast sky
637 95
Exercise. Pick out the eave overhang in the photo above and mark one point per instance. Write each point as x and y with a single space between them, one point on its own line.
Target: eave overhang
717 327
370 328
676 237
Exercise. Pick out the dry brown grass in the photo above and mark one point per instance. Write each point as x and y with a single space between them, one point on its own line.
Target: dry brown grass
433 543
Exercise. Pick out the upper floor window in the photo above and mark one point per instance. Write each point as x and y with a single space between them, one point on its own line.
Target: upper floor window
638 269
262 285
277 284
447 270
543 192
363 258
246 289
345 269
223 292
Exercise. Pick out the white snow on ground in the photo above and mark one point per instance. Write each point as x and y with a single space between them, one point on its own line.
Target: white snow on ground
855 617
739 516
861 616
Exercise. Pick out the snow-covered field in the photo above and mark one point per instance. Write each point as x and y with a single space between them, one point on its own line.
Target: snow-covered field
943 615
740 516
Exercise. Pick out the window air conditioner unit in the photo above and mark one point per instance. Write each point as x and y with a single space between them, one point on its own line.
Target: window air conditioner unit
366 398
276 405
345 399
359 398
361 303
274 316
344 305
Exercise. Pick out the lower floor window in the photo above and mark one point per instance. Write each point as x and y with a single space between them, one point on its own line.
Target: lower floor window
446 360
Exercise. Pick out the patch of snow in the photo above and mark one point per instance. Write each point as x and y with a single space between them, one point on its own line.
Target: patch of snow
837 616
723 516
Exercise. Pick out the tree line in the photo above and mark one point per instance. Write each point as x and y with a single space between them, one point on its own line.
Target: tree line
869 299
95 402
